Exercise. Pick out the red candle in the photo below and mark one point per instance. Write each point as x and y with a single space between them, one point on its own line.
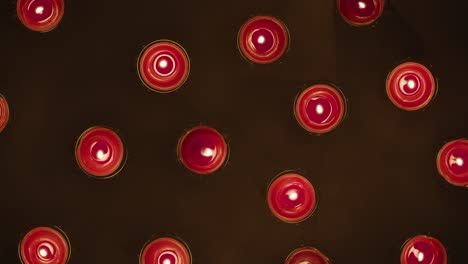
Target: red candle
4 113
100 152
423 250
320 108
360 12
452 162
44 245
164 66
165 251
263 39
291 198
411 86
40 15
202 150
307 255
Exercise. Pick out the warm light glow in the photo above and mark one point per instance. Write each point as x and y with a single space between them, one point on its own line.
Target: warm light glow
319 109
459 161
207 152
167 261
420 256
411 84
305 262
163 63
362 5
39 10
293 195
100 154
261 39
43 253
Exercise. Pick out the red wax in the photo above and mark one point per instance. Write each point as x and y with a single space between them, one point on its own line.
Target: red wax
263 39
164 66
411 86
307 255
423 250
360 12
291 198
4 113
40 15
44 245
202 150
320 108
165 251
452 162
100 152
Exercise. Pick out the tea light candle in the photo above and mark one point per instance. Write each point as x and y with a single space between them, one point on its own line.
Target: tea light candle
291 198
452 162
423 250
40 15
360 12
202 150
164 66
263 39
165 251
410 86
4 113
44 245
320 108
307 255
100 152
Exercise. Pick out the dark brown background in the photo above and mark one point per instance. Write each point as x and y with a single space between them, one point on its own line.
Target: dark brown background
375 175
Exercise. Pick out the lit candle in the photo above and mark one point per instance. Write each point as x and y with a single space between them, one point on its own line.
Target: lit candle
452 162
202 150
4 113
307 255
40 15
164 66
44 245
320 108
423 250
410 86
100 152
291 198
165 251
360 12
263 39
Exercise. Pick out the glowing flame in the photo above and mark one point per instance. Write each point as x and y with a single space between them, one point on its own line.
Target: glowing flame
261 39
43 253
459 161
319 109
420 256
163 63
207 152
411 84
39 10
362 5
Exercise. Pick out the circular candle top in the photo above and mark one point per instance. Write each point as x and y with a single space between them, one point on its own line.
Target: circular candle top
165 251
44 245
307 255
411 86
100 152
263 39
291 198
320 108
203 150
360 12
423 250
40 15
452 162
4 113
164 66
